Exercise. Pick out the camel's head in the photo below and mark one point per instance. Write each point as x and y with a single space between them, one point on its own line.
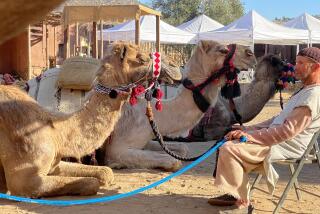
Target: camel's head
210 55
269 68
126 63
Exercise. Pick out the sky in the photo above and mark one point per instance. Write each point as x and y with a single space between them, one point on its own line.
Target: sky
278 8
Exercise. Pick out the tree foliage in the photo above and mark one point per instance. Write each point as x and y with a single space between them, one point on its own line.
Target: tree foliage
176 12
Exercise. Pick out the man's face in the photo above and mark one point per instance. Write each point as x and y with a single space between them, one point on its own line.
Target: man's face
304 67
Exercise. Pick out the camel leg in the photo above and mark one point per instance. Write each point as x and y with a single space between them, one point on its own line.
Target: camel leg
102 173
36 186
179 148
3 184
137 158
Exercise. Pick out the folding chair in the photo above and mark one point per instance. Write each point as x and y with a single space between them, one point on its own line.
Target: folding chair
307 158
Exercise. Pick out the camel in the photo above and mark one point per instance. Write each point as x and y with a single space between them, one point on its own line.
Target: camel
249 104
129 147
33 139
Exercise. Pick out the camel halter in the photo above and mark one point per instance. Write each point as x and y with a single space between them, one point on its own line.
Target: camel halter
199 99
287 76
227 91
135 89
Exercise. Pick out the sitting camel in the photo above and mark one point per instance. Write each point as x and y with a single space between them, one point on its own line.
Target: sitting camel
33 140
248 105
133 132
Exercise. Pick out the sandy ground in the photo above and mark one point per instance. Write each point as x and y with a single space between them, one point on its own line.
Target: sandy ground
187 193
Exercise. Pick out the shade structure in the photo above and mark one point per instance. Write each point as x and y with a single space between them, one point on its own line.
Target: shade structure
200 24
254 28
306 22
168 33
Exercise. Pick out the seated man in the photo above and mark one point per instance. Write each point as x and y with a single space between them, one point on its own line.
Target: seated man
282 137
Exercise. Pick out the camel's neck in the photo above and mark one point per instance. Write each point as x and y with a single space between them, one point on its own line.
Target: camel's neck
86 130
181 113
254 99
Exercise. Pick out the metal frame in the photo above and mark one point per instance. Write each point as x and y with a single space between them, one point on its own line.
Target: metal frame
306 158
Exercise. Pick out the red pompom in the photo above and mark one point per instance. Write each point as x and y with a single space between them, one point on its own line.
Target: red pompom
159 94
138 90
159 105
133 100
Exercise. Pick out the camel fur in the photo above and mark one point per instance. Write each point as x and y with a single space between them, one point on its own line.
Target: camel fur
249 104
129 146
33 140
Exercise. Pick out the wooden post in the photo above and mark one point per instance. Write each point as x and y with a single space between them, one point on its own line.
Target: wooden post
66 42
54 42
46 34
101 39
137 34
77 39
29 74
95 40
157 33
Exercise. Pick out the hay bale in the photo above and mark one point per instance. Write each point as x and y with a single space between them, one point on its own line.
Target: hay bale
78 73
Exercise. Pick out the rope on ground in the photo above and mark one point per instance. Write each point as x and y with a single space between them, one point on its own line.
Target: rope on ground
118 196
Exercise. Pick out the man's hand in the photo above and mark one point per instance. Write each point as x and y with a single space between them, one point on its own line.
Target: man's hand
236 134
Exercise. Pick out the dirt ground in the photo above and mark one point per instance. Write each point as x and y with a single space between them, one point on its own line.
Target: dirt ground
188 193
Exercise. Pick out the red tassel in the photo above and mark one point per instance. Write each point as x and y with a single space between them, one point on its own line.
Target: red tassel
133 100
159 105
159 94
138 90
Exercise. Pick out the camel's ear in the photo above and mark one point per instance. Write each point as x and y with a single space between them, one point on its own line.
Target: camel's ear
123 52
223 49
205 46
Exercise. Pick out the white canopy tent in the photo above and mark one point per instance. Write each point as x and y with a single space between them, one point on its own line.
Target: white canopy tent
307 22
253 28
200 24
168 33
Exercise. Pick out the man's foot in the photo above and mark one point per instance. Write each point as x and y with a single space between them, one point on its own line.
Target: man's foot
236 210
223 200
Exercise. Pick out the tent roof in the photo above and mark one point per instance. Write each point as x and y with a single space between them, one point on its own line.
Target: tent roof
307 22
199 24
168 33
253 27
112 13
304 21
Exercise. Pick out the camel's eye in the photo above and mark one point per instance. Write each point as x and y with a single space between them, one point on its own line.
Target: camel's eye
249 52
142 58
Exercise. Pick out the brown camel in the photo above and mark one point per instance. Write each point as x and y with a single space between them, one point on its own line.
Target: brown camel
34 140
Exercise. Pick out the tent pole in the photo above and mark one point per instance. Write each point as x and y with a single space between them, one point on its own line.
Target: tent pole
297 49
157 33
137 34
95 41
101 39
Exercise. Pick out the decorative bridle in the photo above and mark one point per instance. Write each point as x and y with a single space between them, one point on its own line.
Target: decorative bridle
230 90
287 77
136 88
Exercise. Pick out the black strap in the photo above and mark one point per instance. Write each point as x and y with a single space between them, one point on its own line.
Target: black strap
198 98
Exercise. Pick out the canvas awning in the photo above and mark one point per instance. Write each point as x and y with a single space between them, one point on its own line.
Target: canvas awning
306 22
253 28
168 33
107 13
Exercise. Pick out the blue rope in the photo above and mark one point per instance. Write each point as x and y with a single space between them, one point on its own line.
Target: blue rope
118 196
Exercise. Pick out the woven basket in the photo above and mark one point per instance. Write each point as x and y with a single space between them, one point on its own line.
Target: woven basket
78 73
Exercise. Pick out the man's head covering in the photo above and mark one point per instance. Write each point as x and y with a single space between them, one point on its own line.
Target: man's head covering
312 53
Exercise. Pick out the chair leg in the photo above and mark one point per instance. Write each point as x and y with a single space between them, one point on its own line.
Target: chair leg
289 185
317 152
295 184
255 182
